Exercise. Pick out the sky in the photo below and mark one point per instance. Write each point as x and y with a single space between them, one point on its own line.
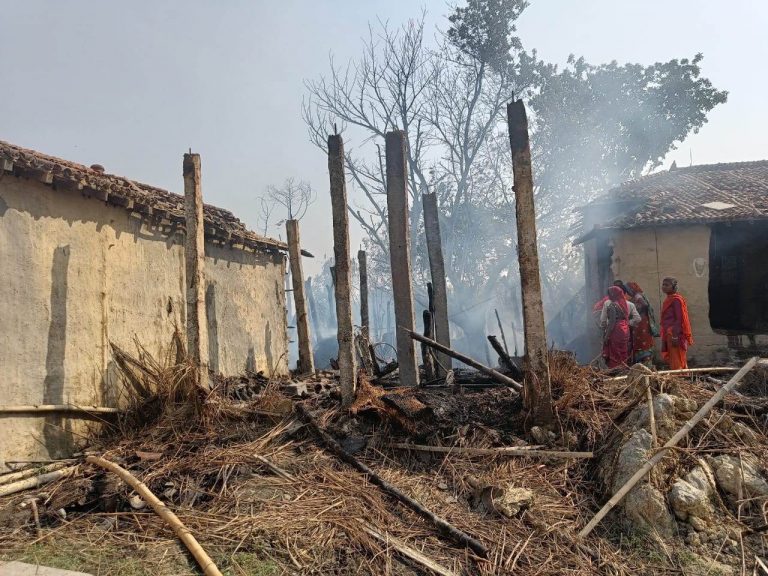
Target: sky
134 85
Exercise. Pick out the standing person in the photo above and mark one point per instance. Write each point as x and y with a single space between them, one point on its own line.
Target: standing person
645 331
676 333
616 318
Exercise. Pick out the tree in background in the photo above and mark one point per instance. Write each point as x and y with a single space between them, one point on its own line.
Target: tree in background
592 127
293 196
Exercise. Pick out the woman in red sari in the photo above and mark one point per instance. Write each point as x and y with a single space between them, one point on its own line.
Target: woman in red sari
646 329
616 318
676 333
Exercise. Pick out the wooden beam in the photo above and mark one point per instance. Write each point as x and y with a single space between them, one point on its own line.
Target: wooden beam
437 272
400 255
537 389
343 281
306 363
194 253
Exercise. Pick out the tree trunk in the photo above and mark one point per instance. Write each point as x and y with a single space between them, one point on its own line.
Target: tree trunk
537 390
343 281
306 364
400 255
363 269
437 272
194 258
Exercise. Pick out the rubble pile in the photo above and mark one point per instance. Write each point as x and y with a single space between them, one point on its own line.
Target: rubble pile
266 475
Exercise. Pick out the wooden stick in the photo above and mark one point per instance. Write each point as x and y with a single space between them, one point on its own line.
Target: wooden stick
35 481
22 474
651 413
181 531
46 408
501 329
443 526
656 458
278 471
712 370
466 360
405 550
505 451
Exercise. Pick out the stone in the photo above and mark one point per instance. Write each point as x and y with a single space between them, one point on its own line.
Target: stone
690 497
644 505
728 474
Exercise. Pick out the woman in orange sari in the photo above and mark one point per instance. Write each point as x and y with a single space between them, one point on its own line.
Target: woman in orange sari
676 335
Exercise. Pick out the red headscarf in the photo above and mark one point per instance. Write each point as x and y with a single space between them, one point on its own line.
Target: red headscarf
616 295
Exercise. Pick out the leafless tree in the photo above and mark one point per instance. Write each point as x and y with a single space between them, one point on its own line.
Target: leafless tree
266 208
295 196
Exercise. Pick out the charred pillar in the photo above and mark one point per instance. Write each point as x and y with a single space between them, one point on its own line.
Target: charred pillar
342 273
194 260
306 364
537 389
437 271
362 264
400 255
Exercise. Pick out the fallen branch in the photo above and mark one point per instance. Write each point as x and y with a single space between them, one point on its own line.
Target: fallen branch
444 527
183 533
405 550
22 474
35 482
505 451
46 408
467 360
679 435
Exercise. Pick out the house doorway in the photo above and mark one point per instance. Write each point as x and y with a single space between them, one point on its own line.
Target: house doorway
738 277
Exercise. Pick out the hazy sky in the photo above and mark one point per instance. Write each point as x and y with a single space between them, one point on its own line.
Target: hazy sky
133 85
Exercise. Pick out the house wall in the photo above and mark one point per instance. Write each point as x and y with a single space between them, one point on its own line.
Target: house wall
78 274
647 255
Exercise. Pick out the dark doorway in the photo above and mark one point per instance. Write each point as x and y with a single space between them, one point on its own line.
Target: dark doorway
738 277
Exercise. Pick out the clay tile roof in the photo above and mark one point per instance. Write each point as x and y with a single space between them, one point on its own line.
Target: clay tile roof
221 224
696 194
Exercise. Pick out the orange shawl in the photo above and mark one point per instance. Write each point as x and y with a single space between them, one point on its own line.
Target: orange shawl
685 323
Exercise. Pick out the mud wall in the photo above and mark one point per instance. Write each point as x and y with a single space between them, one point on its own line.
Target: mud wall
79 274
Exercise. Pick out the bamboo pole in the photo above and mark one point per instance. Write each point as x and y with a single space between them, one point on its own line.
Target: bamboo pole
35 481
504 451
498 376
22 474
181 531
712 370
651 412
45 408
672 442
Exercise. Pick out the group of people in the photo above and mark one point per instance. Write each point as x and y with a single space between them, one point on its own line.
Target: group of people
629 326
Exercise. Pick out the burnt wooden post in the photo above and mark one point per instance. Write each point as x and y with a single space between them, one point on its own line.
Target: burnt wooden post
312 308
437 272
306 363
427 358
341 273
537 389
362 264
400 255
194 260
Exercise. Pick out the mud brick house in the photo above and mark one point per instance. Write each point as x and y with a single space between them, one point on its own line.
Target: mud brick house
705 225
88 258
